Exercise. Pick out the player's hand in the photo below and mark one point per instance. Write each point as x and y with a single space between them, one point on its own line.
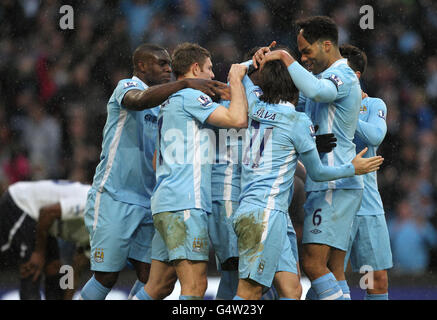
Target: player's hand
259 55
225 94
282 55
238 71
325 142
366 165
209 87
33 267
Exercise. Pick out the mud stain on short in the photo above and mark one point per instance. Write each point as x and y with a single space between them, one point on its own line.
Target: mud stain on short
249 232
172 229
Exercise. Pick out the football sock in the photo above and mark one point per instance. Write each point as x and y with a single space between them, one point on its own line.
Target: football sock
142 295
94 290
327 287
136 287
345 288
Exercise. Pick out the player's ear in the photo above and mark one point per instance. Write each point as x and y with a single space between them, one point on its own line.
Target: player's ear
327 45
195 69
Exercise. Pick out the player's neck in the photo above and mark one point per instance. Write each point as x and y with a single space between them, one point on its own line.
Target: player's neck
334 58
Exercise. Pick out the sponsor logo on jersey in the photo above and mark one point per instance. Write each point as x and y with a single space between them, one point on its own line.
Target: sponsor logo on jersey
130 84
99 255
205 101
381 114
363 109
316 231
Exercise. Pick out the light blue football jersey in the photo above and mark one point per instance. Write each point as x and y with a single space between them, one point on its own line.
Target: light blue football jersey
339 117
226 170
370 133
276 135
127 151
185 153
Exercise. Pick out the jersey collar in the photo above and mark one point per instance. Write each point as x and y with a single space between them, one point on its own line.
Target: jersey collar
288 104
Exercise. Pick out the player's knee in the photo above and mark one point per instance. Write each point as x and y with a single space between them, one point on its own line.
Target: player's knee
380 280
106 279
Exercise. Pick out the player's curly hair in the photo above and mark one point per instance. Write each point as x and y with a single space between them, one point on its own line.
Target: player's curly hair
185 54
356 58
318 28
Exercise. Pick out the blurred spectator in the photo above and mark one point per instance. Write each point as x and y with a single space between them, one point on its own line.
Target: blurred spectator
412 237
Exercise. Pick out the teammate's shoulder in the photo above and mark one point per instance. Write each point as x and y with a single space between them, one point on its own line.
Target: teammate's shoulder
377 102
195 97
340 73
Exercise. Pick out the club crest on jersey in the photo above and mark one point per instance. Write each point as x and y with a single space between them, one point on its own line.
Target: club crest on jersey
381 114
258 92
205 101
334 78
99 255
363 109
261 266
130 84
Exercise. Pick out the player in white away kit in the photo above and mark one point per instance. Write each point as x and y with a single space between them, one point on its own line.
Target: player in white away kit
33 214
185 152
370 242
331 97
118 214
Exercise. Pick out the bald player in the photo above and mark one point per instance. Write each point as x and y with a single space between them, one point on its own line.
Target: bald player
117 213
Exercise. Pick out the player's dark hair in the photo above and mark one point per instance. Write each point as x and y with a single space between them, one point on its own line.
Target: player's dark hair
276 83
356 58
143 51
318 28
185 54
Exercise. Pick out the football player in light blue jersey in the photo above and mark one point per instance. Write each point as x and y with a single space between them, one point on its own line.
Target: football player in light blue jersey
277 135
370 242
185 151
331 97
117 214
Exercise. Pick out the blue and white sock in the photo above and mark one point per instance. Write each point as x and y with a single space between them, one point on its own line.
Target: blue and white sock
382 296
137 287
327 287
142 295
345 288
228 285
93 290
